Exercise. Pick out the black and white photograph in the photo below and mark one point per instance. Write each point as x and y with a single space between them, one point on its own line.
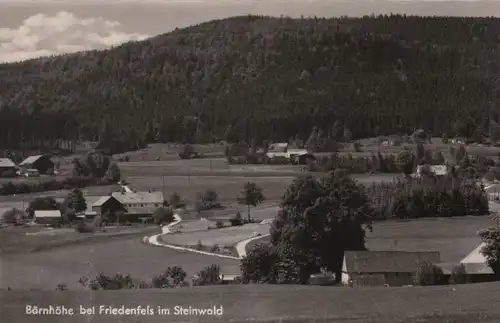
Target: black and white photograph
266 161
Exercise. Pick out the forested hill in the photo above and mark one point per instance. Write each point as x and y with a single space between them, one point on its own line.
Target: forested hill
260 76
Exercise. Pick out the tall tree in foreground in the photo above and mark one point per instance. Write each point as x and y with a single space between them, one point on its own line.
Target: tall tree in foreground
251 195
491 249
318 220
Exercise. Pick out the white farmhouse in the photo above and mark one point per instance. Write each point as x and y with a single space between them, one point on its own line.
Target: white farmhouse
140 202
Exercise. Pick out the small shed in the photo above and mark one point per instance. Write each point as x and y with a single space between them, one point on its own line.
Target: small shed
379 268
42 163
230 279
48 216
437 170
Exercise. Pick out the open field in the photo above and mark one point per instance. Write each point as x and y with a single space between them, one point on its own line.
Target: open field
277 303
187 177
222 237
128 255
170 151
454 238
16 240
228 188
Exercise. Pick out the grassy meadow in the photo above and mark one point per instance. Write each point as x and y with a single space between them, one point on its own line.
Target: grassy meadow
454 238
277 303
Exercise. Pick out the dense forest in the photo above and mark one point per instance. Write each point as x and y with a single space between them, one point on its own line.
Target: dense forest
260 78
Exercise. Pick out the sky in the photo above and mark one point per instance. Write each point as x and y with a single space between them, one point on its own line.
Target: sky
34 28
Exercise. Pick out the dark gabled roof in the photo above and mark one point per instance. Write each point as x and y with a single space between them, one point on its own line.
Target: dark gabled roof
386 261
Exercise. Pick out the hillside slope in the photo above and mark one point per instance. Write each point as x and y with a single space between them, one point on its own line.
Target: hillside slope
259 76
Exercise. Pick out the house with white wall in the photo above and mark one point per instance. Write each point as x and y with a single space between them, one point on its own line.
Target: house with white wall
139 202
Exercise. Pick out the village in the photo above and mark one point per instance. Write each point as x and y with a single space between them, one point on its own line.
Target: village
189 227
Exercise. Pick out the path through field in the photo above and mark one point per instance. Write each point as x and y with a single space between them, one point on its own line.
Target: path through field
45 269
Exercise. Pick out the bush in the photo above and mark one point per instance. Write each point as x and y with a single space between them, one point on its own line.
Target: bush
102 281
176 201
199 245
237 220
458 275
428 274
252 159
259 264
171 277
163 215
82 228
61 287
219 224
279 161
208 200
209 275
13 216
357 147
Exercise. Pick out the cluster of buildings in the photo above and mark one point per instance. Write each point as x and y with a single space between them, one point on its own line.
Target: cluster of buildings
132 204
397 268
31 166
282 150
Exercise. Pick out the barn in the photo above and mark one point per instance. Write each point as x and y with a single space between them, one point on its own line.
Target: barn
107 204
42 163
379 268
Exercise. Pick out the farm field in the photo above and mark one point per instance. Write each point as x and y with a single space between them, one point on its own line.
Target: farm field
227 188
47 268
279 303
222 237
454 238
15 240
170 151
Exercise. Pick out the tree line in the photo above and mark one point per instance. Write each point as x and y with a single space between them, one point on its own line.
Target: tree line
250 77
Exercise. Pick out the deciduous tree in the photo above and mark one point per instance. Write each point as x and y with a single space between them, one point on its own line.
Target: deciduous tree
252 195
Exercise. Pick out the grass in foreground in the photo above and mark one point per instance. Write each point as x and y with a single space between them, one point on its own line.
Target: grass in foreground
128 255
272 303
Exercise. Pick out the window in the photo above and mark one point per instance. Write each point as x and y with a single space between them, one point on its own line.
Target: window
156 205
